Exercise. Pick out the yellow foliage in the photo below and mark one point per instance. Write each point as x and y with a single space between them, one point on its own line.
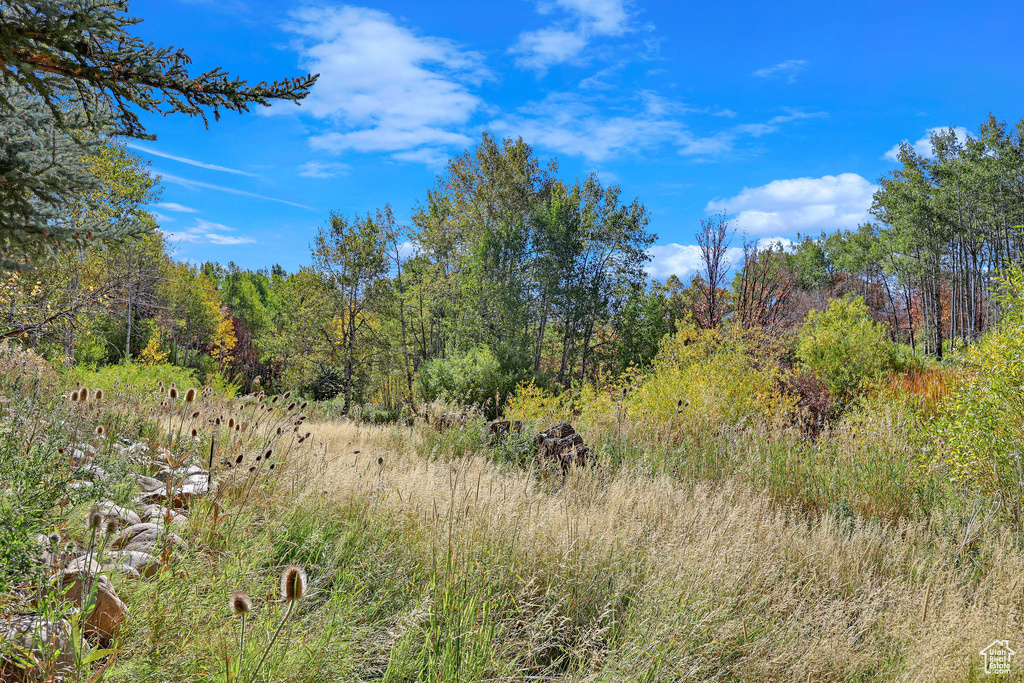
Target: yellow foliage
153 354
700 381
224 340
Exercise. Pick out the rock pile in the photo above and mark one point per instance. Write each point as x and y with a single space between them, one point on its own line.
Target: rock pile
560 445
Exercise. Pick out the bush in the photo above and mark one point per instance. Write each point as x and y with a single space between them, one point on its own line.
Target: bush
130 377
983 430
475 378
845 348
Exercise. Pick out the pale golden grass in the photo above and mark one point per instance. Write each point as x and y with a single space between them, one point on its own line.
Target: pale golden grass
724 583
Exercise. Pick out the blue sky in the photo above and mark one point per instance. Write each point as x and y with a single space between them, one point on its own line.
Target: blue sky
782 114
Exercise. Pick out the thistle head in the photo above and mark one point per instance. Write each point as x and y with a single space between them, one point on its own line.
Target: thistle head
293 583
95 519
239 603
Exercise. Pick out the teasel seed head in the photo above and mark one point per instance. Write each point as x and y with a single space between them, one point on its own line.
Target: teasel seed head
95 519
380 461
99 394
274 400
239 459
195 432
279 431
113 524
54 539
291 406
195 415
83 394
216 422
287 395
173 393
272 465
239 603
303 406
74 396
99 430
190 395
253 468
267 453
293 583
231 423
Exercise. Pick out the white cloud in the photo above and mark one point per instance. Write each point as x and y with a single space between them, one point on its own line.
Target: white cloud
784 207
924 145
323 169
566 40
172 206
206 232
188 182
604 17
191 162
546 47
571 124
382 87
787 69
684 260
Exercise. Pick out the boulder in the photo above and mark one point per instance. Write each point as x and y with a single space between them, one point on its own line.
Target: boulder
49 641
111 509
147 538
109 611
179 474
449 421
142 564
149 483
158 514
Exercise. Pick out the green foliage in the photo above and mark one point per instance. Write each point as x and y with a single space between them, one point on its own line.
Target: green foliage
845 348
131 377
984 430
474 378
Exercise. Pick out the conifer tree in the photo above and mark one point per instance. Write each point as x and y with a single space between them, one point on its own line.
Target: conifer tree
72 75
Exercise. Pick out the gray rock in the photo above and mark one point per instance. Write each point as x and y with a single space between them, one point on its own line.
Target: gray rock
110 509
50 641
142 564
147 538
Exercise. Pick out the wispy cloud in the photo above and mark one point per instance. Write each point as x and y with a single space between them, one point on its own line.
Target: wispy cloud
187 182
191 162
787 69
180 208
567 38
785 207
598 130
207 232
323 169
924 145
383 87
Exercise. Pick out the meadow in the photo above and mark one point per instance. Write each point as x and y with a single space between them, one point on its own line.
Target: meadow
719 530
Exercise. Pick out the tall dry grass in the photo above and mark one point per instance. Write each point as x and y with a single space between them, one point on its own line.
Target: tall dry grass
645 578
